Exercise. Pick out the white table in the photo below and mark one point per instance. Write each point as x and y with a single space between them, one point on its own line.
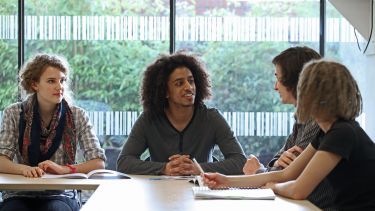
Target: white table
142 193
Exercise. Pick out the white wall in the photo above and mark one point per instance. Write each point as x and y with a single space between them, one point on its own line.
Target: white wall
368 88
361 65
357 12
369 95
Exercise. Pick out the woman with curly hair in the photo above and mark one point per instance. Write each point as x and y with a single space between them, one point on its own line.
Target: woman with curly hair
176 126
343 152
42 135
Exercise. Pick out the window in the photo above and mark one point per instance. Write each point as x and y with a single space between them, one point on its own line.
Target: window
8 53
238 40
108 44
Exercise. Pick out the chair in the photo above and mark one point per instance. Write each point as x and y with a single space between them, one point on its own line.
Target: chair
1 200
79 194
112 155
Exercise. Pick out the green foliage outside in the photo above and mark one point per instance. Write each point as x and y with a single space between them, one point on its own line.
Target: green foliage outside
109 72
8 73
243 76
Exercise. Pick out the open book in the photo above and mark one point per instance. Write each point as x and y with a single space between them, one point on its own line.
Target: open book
233 193
94 174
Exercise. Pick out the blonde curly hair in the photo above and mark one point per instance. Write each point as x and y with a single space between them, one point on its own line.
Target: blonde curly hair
326 89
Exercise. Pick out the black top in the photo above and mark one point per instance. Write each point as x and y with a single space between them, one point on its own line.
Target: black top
302 135
353 179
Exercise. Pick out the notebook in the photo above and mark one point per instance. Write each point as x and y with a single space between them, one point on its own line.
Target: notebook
233 193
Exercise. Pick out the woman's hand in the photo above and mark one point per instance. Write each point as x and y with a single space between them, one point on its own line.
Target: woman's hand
53 168
288 157
269 185
251 166
215 180
34 172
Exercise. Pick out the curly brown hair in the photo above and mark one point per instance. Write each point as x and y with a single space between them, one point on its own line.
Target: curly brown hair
291 62
154 84
326 89
35 67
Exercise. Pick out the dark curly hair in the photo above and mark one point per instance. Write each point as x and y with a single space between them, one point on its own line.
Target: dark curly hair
291 62
154 84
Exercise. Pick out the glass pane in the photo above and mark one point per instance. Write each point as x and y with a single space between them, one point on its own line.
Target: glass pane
8 53
238 40
346 45
108 44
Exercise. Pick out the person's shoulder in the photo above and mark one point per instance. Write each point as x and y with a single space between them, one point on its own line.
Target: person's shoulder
204 109
76 110
347 128
311 125
11 113
147 117
210 112
344 124
13 108
207 109
80 116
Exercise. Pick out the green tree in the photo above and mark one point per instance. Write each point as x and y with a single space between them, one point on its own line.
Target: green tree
109 72
8 73
242 75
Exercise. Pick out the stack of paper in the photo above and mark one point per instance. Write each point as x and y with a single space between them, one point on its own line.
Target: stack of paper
233 193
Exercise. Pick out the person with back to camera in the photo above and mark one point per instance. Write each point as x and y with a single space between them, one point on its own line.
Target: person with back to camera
42 134
176 126
288 66
343 152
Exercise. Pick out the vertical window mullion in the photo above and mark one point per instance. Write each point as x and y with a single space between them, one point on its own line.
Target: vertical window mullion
172 26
